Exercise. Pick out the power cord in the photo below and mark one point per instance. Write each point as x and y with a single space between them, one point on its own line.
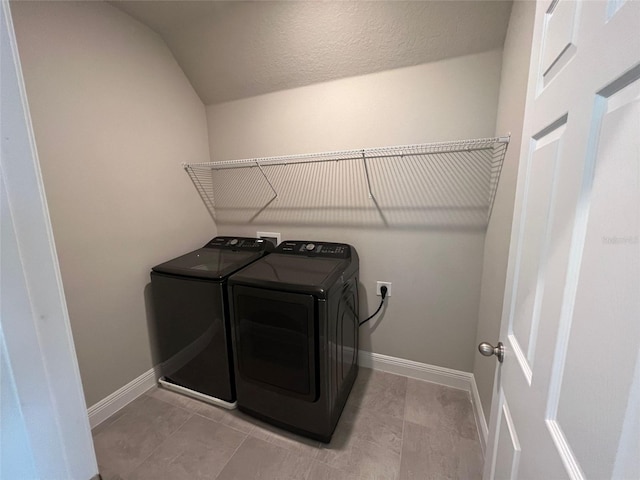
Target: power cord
383 294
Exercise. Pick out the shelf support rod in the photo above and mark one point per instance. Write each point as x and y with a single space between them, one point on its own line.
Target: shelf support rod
371 196
275 194
366 172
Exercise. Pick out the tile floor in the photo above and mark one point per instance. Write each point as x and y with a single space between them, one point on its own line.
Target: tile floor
393 427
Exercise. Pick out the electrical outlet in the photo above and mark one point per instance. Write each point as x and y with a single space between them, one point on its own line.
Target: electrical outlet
273 237
386 284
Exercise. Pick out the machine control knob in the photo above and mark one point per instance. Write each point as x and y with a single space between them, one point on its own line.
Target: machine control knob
233 242
310 246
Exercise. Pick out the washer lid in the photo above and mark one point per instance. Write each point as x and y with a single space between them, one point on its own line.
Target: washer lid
290 272
219 258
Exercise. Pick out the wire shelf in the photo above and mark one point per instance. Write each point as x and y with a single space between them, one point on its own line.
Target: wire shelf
446 184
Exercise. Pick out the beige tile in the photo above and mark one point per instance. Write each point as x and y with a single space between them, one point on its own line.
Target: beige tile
428 454
238 420
142 427
157 471
352 451
337 452
366 461
442 408
380 392
131 406
322 471
101 427
198 450
286 439
370 426
191 404
260 460
373 462
392 428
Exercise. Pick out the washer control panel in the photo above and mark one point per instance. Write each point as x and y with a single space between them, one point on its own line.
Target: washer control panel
314 249
240 243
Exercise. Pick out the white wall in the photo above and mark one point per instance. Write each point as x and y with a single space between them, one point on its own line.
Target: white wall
114 117
446 100
513 88
435 272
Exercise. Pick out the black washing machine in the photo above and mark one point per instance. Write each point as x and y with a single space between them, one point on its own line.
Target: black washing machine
191 313
295 332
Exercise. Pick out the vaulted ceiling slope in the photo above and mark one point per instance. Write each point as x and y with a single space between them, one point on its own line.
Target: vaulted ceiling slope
238 49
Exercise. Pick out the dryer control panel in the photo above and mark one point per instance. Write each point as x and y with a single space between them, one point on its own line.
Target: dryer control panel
240 243
314 249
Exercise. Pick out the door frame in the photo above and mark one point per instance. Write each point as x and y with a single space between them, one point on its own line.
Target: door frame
34 319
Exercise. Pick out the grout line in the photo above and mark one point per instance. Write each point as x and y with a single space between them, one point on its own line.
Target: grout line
210 419
236 429
193 412
115 417
107 423
270 440
168 436
232 455
221 423
122 397
186 409
161 444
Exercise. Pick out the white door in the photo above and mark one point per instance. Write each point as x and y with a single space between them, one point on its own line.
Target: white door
567 400
44 428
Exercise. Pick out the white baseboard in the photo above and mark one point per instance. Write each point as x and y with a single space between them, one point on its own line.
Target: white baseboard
430 373
421 371
119 399
481 421
106 407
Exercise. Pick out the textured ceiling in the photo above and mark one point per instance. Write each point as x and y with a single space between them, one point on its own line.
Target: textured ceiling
237 49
